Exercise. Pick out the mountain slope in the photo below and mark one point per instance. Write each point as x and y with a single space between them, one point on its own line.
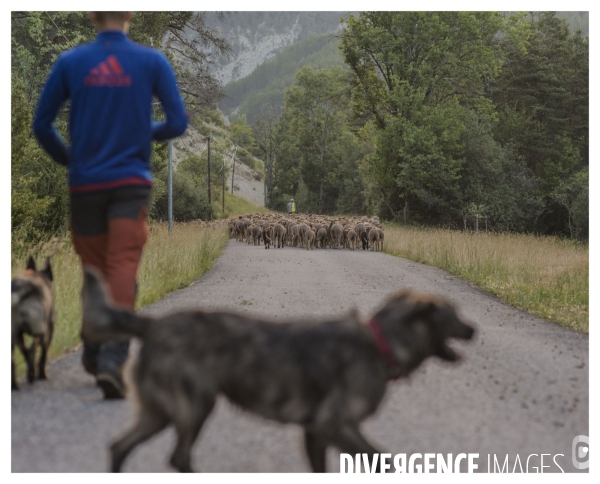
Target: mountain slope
257 36
248 183
268 82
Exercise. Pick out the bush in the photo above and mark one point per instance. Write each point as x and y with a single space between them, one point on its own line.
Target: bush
39 190
246 158
204 130
208 115
190 202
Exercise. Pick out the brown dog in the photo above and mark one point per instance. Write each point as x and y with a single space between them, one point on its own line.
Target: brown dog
326 377
32 313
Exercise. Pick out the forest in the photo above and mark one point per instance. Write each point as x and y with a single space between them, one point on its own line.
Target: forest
424 118
436 119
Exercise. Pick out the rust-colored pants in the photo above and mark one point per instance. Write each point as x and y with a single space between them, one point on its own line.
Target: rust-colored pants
109 232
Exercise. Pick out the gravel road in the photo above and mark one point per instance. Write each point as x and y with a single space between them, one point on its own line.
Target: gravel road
522 389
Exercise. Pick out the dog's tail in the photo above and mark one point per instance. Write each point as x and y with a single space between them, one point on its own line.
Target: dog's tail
102 320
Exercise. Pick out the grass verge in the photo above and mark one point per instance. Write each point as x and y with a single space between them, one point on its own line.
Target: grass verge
235 205
172 262
546 276
169 262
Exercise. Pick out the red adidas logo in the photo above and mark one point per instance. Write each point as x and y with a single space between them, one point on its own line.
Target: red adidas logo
108 73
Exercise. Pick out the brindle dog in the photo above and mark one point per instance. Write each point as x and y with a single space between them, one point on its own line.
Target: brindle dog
326 377
32 313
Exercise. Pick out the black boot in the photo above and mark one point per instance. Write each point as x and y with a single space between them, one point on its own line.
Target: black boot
90 357
111 358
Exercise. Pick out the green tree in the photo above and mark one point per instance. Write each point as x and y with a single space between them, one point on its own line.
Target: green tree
39 37
495 180
240 133
269 137
318 151
190 202
196 168
39 193
348 150
315 105
415 72
543 96
190 188
286 170
573 195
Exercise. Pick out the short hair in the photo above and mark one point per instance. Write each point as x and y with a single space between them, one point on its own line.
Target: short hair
104 17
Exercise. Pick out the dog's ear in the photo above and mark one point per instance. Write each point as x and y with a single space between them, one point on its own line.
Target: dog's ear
410 307
47 270
30 263
420 311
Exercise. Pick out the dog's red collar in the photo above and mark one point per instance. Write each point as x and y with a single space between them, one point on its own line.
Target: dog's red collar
385 350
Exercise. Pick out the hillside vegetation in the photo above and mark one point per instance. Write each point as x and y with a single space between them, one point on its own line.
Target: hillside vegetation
268 82
435 119
244 30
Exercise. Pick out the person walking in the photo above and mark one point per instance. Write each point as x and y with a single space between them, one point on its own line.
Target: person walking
291 207
110 83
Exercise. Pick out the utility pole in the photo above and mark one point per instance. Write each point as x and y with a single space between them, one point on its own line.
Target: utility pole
223 198
265 182
209 198
233 167
170 187
268 177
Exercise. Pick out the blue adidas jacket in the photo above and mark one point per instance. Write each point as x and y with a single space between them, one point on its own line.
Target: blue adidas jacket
110 83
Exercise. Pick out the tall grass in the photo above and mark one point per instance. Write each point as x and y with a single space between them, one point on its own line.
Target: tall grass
169 262
172 262
67 274
546 276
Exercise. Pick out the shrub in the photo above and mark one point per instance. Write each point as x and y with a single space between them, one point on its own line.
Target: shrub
246 158
39 191
190 201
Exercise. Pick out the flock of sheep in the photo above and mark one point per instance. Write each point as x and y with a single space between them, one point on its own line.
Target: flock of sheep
308 231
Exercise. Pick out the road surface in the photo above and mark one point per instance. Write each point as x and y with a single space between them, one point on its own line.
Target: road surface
522 389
